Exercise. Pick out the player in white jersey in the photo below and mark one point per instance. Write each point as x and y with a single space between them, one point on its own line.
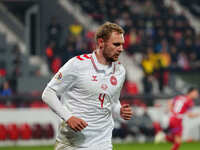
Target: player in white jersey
85 91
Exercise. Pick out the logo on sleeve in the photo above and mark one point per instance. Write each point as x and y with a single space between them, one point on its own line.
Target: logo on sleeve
113 80
59 76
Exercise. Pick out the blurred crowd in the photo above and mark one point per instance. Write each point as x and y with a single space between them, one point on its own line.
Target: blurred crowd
150 25
77 41
165 40
141 127
10 71
192 5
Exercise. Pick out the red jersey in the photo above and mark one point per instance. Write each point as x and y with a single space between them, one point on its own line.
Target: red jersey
180 105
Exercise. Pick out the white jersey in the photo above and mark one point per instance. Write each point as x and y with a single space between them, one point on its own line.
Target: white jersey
88 90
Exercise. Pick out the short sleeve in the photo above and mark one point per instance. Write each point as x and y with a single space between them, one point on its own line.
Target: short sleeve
64 78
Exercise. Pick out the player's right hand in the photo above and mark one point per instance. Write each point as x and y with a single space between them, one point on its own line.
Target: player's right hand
76 124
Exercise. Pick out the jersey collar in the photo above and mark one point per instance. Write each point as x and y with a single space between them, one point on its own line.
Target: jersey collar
100 67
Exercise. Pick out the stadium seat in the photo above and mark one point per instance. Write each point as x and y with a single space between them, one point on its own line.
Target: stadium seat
2 106
2 72
25 131
13 131
2 68
3 132
131 87
48 131
36 104
37 131
11 105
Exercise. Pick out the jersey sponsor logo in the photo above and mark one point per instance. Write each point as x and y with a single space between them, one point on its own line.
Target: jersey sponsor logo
113 80
104 86
83 57
94 78
59 76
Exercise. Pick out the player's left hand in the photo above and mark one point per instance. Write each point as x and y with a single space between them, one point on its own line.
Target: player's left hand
126 112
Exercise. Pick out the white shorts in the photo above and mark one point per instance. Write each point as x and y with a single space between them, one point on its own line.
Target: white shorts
67 146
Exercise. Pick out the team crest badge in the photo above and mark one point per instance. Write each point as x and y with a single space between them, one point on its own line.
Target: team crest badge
113 80
104 86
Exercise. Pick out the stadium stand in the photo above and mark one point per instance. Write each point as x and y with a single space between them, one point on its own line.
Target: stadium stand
159 44
25 131
162 40
166 40
193 6
3 133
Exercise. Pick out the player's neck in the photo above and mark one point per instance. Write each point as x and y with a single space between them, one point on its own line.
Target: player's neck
190 97
100 58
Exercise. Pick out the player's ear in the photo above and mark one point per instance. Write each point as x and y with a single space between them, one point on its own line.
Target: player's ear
100 42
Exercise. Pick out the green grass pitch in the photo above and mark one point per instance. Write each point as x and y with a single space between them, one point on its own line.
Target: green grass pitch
132 146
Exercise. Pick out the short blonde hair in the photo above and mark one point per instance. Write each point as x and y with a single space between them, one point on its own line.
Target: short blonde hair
105 30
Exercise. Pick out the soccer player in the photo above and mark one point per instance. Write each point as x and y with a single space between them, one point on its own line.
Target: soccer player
85 91
179 107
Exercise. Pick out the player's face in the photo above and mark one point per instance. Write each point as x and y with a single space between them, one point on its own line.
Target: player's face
195 94
113 47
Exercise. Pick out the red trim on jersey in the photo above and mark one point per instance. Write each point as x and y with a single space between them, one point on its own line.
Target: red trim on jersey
92 60
86 56
79 57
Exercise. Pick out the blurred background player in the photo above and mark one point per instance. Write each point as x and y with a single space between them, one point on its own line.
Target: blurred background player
180 107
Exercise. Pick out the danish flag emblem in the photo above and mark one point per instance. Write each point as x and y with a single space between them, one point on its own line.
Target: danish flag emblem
94 78
113 80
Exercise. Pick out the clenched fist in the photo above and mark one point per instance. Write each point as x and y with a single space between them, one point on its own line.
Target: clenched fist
76 124
126 112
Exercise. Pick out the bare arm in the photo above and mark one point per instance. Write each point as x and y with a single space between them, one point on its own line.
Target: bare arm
193 114
169 105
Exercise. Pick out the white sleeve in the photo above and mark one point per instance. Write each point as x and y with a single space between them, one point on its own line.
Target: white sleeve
116 109
61 82
117 105
49 97
64 78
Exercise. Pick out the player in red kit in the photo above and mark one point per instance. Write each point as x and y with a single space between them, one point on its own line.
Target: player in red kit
179 107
